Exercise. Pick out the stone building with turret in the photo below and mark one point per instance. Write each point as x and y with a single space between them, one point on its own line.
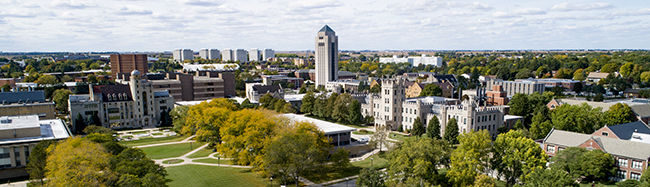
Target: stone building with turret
390 107
132 104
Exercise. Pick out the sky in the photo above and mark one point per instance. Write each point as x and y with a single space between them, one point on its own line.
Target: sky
282 25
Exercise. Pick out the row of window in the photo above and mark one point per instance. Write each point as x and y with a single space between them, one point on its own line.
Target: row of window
5 156
625 163
620 174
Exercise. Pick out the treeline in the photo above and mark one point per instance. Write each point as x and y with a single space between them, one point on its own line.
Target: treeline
94 160
270 143
341 108
539 120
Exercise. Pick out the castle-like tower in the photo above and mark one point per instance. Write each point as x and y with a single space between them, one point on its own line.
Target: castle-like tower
327 56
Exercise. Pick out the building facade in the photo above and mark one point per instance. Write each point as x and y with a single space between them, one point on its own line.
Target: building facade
497 96
515 87
268 54
180 55
227 55
130 105
126 63
327 56
254 55
27 103
240 55
256 90
185 87
210 54
19 135
414 61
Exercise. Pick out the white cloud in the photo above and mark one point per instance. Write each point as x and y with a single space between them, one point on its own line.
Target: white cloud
528 11
501 14
640 12
308 5
417 7
133 10
70 4
476 6
459 14
564 7
202 3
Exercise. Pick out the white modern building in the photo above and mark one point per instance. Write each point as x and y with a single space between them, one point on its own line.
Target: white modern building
414 61
227 55
327 56
240 55
210 54
180 55
254 55
514 87
268 54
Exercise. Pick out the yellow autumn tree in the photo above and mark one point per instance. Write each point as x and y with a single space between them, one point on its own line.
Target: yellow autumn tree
78 162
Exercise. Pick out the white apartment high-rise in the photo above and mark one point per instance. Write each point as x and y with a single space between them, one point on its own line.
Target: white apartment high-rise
327 56
267 54
227 55
240 55
254 55
180 55
209 54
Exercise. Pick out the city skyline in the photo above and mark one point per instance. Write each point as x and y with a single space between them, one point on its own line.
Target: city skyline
71 25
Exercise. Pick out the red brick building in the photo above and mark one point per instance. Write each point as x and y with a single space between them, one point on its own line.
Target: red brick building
126 63
497 96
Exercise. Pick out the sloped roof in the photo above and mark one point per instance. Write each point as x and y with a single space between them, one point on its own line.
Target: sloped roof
262 89
326 29
642 110
597 75
14 97
107 90
618 147
624 131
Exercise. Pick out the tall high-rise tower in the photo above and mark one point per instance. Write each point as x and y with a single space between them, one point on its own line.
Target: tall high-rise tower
327 56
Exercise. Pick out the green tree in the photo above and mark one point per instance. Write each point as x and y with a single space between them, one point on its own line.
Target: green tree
520 105
628 183
371 177
354 112
577 118
418 127
619 113
626 69
38 160
609 68
400 128
417 159
98 129
78 162
331 102
482 180
541 123
5 88
470 158
380 137
340 107
515 156
548 177
60 97
645 76
303 89
433 128
431 90
375 88
279 105
47 79
308 102
340 159
518 125
451 131
79 123
599 97
579 75
132 162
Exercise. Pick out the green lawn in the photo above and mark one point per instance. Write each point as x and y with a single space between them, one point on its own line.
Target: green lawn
397 136
212 161
157 133
169 151
148 141
140 132
198 175
201 153
328 173
172 161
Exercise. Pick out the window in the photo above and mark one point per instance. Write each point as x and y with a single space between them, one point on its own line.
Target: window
605 134
622 162
17 156
560 148
5 158
26 148
637 165
621 174
550 149
635 176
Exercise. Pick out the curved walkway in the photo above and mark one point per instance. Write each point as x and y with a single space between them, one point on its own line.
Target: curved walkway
188 139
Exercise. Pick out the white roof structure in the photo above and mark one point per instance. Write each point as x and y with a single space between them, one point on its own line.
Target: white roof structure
327 127
640 137
190 103
510 117
210 67
53 129
293 97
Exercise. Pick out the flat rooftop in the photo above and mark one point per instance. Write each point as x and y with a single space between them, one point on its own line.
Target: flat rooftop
325 126
53 129
18 122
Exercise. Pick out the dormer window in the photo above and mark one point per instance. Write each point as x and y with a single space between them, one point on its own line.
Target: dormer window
605 134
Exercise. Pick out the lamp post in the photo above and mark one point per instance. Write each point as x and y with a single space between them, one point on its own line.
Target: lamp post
219 160
371 159
271 181
347 179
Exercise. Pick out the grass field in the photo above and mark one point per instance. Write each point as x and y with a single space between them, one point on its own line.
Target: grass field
397 136
198 175
329 173
172 161
361 133
140 132
201 153
148 141
157 133
169 151
212 161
